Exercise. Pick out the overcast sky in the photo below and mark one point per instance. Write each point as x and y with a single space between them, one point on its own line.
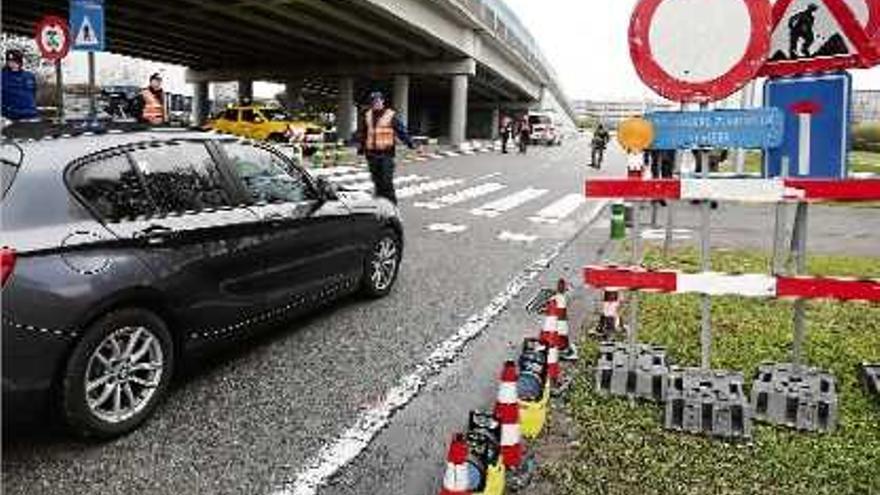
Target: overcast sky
586 41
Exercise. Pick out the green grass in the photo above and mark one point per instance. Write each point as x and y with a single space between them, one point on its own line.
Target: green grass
623 449
864 161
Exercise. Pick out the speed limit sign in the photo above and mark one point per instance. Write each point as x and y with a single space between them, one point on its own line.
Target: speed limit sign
699 50
53 37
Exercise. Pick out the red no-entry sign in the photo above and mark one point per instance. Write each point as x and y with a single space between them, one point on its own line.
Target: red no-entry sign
699 50
52 37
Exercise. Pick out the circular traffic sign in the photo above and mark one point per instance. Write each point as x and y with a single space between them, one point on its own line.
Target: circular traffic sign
53 37
699 50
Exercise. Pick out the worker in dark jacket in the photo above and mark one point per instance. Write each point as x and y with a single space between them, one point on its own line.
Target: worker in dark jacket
149 106
19 88
379 128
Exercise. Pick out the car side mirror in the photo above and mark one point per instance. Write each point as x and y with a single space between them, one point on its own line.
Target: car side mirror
326 189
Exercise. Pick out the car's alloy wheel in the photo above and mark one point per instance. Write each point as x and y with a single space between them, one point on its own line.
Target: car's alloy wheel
382 265
117 373
123 373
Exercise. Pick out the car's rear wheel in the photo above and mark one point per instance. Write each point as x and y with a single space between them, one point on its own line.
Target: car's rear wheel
117 374
382 265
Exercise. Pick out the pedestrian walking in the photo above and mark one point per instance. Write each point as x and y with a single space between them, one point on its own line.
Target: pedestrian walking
149 107
506 133
598 145
380 126
19 88
524 129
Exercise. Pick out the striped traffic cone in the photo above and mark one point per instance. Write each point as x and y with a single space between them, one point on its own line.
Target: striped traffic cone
634 167
609 323
567 350
455 481
550 339
507 413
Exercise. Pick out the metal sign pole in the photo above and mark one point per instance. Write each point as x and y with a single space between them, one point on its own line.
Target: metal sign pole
93 104
59 91
800 269
670 205
705 265
779 228
747 100
632 330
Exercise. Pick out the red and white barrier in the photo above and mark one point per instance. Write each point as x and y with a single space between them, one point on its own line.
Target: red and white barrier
744 190
455 481
550 338
507 413
718 284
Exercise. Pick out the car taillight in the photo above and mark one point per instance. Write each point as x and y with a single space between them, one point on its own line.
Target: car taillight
7 264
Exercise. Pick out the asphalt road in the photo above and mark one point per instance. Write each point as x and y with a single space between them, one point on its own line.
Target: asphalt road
249 421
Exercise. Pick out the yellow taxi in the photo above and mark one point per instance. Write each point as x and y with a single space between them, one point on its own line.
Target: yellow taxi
267 124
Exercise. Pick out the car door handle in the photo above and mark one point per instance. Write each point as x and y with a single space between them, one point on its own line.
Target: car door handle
154 234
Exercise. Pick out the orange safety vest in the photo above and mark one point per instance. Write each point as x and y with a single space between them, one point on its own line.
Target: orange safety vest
380 137
154 108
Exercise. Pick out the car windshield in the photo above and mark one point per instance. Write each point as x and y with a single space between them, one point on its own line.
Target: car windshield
275 114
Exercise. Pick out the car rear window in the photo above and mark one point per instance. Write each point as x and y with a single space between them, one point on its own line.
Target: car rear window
112 188
182 177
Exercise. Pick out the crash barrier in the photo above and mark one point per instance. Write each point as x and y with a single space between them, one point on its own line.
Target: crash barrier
491 456
713 402
870 378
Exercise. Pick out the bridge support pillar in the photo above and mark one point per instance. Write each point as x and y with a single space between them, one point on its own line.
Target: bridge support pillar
400 97
345 112
245 91
200 103
458 110
496 123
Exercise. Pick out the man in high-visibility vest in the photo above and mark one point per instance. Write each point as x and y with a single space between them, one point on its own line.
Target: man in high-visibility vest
379 128
150 104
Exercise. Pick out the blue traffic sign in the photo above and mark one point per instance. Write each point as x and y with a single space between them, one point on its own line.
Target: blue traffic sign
87 25
817 118
758 128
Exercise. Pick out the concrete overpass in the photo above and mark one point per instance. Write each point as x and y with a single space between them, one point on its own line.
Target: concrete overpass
451 66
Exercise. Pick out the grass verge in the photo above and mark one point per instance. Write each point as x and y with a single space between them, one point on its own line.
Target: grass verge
621 448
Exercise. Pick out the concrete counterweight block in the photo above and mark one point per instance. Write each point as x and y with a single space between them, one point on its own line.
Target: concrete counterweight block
640 376
707 402
870 376
806 401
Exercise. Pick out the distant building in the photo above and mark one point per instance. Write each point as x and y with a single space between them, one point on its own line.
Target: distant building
611 113
866 106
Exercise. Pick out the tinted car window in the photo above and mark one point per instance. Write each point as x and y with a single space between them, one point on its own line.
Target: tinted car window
247 115
231 115
112 188
182 177
266 176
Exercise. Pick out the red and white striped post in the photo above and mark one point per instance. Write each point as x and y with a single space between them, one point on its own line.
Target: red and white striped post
507 413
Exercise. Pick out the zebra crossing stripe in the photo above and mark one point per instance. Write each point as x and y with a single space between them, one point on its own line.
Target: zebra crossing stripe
418 189
559 210
360 176
507 203
447 228
461 196
518 238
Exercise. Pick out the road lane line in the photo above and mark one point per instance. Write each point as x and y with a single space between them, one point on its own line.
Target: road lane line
517 238
446 228
559 210
507 203
348 446
461 196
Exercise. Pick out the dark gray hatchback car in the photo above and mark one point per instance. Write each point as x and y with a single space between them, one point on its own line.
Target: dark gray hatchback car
124 253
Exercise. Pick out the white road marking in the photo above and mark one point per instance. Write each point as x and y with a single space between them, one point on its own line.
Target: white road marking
559 210
507 203
487 177
461 196
447 228
451 153
346 447
324 172
514 237
368 185
415 190
339 179
660 234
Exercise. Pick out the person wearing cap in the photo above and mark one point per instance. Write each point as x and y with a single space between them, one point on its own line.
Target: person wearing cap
19 89
150 103
380 126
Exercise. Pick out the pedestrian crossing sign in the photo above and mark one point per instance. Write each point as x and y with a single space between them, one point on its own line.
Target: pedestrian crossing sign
811 36
87 25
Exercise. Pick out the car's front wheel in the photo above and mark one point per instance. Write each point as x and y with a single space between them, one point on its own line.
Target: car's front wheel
117 374
382 265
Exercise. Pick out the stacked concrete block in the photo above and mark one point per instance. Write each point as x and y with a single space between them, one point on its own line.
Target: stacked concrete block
870 376
707 402
640 375
805 399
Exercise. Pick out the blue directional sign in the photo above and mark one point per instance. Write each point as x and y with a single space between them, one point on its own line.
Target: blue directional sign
756 128
817 119
87 25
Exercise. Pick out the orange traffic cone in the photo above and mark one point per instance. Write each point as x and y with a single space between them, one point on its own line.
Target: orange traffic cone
507 413
455 481
550 339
